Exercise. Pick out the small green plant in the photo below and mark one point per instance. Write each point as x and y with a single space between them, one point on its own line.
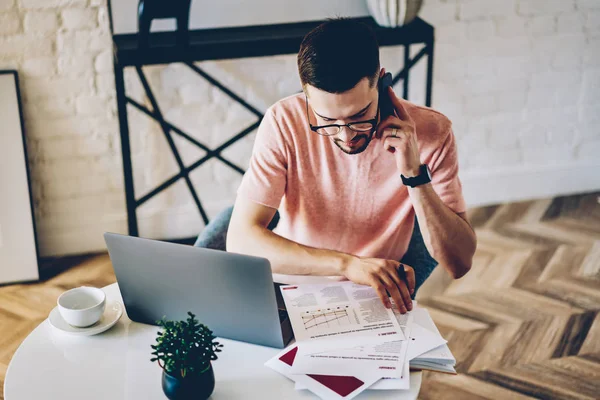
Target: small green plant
185 347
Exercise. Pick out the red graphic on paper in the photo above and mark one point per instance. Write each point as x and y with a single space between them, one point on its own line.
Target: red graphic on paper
342 385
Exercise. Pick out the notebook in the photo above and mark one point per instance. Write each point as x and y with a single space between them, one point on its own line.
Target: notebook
439 358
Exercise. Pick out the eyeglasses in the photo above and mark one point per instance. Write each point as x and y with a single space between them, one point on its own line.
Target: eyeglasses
334 129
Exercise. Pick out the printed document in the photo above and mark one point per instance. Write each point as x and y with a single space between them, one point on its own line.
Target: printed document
339 309
352 355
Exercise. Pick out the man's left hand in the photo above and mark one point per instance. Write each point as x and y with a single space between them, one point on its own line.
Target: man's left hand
399 137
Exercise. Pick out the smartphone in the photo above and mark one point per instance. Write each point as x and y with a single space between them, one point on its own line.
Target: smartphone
386 108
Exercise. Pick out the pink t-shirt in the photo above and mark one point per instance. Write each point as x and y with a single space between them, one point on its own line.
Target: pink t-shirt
328 199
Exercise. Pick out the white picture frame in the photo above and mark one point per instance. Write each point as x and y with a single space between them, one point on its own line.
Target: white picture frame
19 251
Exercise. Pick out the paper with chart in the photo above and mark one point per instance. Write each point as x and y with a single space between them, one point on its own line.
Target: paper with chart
352 355
339 309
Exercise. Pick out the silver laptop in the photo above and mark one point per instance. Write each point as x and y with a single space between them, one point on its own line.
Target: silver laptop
233 294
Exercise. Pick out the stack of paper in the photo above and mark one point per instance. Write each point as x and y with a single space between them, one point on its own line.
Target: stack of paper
347 341
425 336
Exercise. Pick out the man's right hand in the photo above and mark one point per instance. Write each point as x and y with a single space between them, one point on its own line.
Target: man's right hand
382 275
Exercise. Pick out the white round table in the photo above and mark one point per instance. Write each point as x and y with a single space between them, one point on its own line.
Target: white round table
51 364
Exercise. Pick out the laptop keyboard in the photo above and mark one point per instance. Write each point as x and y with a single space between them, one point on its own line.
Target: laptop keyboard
282 315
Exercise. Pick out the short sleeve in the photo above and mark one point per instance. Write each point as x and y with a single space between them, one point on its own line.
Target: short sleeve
265 180
444 175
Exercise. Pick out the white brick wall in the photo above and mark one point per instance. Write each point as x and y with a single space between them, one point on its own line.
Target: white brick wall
519 78
511 26
81 65
542 25
537 7
477 9
38 67
79 18
10 23
41 21
24 45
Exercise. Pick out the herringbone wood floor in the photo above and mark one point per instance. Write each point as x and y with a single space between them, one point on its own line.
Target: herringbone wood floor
523 323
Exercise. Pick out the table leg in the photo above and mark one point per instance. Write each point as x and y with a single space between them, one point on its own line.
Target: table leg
126 150
428 88
406 62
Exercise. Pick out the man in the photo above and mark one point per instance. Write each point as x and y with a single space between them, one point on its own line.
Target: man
340 176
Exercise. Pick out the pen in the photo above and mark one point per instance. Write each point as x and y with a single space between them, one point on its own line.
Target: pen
402 275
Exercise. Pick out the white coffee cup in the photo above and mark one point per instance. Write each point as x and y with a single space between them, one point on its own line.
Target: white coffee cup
82 306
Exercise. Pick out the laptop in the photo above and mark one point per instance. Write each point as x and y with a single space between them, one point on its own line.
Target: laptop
232 294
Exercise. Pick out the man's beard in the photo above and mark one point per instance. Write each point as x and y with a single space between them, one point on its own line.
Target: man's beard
367 139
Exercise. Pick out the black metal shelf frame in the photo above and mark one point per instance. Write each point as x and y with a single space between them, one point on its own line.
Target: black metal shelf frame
229 43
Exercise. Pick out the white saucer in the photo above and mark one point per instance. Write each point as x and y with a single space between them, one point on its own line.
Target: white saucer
111 315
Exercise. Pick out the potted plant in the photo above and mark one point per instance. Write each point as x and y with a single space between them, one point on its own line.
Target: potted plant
184 350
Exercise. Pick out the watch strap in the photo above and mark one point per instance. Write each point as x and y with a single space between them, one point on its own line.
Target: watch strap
421 179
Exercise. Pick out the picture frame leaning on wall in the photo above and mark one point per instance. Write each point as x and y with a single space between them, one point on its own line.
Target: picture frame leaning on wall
19 251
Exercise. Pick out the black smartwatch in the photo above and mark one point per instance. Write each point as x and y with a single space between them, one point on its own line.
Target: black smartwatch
421 179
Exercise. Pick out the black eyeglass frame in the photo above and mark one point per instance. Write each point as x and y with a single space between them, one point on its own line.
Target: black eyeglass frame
315 128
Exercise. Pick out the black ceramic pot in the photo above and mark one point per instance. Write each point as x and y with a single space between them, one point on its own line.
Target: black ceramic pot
192 387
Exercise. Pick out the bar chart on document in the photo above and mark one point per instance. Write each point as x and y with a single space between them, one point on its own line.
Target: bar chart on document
329 317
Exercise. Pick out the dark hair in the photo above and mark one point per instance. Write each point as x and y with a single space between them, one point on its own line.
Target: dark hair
337 54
